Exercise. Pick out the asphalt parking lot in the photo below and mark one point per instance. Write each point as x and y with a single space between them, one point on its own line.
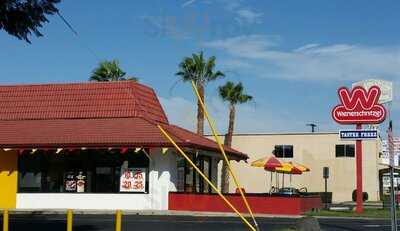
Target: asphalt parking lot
177 223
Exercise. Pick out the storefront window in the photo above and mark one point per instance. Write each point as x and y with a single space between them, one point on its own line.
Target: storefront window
181 175
89 171
207 172
189 180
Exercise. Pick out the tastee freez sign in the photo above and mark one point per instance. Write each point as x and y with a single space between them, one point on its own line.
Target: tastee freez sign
358 134
359 106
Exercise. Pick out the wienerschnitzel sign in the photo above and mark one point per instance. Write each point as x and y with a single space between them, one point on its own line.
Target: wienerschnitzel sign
359 106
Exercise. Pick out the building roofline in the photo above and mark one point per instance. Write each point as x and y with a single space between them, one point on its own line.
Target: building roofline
65 83
282 133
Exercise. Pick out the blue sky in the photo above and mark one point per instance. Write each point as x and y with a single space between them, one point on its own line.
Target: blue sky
290 55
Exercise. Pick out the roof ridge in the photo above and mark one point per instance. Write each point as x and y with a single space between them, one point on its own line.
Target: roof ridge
74 84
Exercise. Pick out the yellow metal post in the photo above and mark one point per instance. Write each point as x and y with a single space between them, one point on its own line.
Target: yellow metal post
205 178
69 220
118 216
5 220
218 140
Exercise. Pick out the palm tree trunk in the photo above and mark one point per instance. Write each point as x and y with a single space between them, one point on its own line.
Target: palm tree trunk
228 143
200 112
232 112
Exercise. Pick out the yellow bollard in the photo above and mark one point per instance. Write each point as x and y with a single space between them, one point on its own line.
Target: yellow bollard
69 220
118 216
5 220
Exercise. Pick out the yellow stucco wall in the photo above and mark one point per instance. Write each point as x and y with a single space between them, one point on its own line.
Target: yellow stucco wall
8 179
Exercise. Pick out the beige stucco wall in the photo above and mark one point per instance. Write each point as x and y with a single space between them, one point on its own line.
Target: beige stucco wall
315 150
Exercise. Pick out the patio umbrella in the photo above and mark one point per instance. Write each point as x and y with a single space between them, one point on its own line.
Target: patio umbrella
269 163
301 167
288 168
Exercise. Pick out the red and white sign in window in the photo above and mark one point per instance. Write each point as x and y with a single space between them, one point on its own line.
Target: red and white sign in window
133 180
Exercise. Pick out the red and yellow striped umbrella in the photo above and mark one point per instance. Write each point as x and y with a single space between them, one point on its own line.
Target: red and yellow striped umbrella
301 167
269 163
288 168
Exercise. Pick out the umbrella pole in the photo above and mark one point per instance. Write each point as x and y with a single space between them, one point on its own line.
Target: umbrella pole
277 180
270 183
283 180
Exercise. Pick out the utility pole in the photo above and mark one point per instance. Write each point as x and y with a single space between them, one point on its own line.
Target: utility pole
313 126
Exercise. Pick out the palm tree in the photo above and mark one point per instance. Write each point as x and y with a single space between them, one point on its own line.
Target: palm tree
201 71
109 71
234 95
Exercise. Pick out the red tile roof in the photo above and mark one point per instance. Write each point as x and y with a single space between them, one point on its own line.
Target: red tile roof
111 114
80 101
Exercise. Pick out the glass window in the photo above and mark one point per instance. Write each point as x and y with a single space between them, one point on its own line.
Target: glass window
93 171
207 172
278 151
283 151
340 150
350 150
191 180
345 150
181 174
189 175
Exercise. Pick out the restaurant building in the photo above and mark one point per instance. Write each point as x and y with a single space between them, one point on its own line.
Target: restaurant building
95 146
316 151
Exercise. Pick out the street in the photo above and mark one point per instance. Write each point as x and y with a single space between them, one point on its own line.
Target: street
177 223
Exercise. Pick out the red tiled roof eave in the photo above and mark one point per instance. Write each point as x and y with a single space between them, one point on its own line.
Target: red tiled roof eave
106 114
96 133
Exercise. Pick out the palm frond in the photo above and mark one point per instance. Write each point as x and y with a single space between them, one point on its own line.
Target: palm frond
233 93
197 69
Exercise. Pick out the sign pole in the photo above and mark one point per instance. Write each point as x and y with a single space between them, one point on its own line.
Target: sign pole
326 193
391 167
392 201
359 208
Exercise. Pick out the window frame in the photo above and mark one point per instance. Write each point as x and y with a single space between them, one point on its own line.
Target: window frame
43 170
284 147
199 161
346 147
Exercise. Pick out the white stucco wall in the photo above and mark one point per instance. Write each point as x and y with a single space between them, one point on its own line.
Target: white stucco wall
162 178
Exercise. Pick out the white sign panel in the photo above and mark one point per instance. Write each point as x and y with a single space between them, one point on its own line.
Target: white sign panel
133 180
385 86
384 152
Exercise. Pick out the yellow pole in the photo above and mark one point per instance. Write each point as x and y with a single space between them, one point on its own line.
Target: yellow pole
118 216
217 139
69 220
5 220
205 178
